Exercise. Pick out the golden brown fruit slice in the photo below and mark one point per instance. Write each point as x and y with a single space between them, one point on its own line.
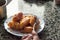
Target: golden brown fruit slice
32 20
20 15
28 29
14 25
17 17
17 26
11 24
24 21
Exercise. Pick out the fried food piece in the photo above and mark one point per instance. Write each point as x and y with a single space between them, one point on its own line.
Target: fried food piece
24 21
32 20
14 25
18 17
28 29
11 24
24 16
15 19
17 26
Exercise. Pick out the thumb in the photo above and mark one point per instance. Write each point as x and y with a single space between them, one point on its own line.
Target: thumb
36 38
35 35
34 32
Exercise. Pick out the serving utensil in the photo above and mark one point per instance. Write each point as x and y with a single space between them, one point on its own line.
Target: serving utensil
36 22
34 27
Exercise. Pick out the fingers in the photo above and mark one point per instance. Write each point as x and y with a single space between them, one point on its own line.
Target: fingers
27 37
36 38
30 36
35 35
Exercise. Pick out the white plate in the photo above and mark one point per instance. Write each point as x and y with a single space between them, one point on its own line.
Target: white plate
17 33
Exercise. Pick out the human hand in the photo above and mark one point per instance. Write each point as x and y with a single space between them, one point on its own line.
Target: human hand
35 35
27 37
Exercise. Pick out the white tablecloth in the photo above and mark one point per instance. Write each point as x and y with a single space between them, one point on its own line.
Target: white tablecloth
12 8
19 5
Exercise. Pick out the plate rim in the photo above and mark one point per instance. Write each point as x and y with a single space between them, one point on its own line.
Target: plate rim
18 34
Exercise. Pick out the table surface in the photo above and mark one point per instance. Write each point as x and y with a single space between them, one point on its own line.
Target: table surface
51 30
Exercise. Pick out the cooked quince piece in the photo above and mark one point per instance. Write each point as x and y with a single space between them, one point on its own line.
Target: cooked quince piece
20 15
24 16
11 24
24 21
32 20
28 29
17 26
17 17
